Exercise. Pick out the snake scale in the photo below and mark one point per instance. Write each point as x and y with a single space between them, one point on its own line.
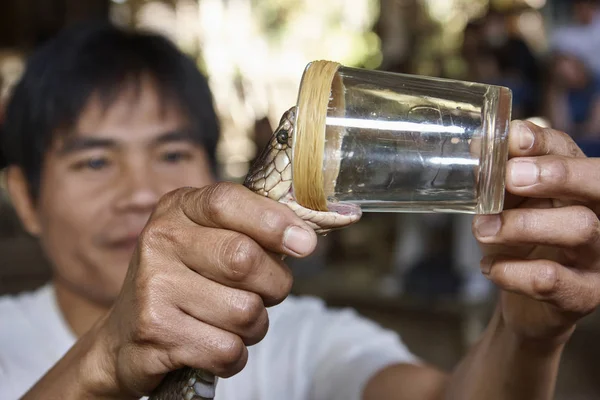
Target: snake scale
269 176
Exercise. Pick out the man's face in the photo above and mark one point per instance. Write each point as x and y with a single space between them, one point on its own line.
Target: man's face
100 184
583 12
570 72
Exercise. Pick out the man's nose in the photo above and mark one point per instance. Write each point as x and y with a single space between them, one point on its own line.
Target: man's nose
139 191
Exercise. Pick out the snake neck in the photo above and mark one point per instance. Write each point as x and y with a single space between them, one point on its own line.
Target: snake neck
271 173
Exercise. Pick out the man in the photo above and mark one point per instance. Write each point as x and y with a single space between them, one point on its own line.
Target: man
580 39
573 97
572 100
101 132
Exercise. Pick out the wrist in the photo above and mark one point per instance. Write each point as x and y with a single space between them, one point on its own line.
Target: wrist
84 372
98 374
507 365
528 340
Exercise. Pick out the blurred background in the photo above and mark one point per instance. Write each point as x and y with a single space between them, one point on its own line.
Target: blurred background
417 274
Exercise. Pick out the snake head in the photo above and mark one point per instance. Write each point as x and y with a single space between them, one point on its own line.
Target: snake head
271 172
271 176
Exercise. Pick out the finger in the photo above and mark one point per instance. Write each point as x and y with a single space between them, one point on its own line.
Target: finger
165 338
211 349
231 259
570 290
203 346
226 257
237 311
234 207
539 227
527 139
556 177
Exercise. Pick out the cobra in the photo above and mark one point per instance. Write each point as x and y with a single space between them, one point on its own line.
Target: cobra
269 176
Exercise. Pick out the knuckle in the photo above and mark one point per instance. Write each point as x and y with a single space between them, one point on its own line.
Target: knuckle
259 331
589 225
541 137
501 274
158 233
154 240
579 299
169 199
216 198
545 280
274 220
283 287
241 255
150 322
247 309
550 139
525 222
149 326
250 318
231 352
555 171
571 148
583 307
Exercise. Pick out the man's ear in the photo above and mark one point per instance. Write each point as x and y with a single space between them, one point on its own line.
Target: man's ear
20 196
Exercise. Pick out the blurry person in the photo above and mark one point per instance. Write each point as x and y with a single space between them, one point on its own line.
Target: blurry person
586 12
517 66
481 62
582 38
573 97
110 139
572 91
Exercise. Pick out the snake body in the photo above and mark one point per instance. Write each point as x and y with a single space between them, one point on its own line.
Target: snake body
269 176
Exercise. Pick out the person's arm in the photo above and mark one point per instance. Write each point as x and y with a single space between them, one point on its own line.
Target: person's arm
182 305
499 367
505 366
406 382
82 373
543 252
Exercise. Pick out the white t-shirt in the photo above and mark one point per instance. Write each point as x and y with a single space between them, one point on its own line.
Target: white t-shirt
310 352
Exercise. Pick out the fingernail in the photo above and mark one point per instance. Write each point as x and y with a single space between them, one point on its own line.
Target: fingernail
526 137
298 240
486 265
487 225
524 173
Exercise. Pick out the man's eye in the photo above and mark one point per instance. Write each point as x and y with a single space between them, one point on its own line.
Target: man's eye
175 156
97 163
94 164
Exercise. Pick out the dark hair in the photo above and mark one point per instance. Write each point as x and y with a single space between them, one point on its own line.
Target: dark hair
98 58
3 161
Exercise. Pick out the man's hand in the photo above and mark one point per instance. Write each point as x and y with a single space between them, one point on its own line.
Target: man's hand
207 265
544 249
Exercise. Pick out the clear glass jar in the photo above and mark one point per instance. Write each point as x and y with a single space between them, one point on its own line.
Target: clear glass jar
406 143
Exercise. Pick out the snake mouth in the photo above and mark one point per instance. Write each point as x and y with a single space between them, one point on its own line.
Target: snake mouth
344 208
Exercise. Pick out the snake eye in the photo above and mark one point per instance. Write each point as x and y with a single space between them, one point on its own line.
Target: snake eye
282 136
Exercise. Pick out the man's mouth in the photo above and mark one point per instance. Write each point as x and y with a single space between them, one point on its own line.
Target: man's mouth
126 243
